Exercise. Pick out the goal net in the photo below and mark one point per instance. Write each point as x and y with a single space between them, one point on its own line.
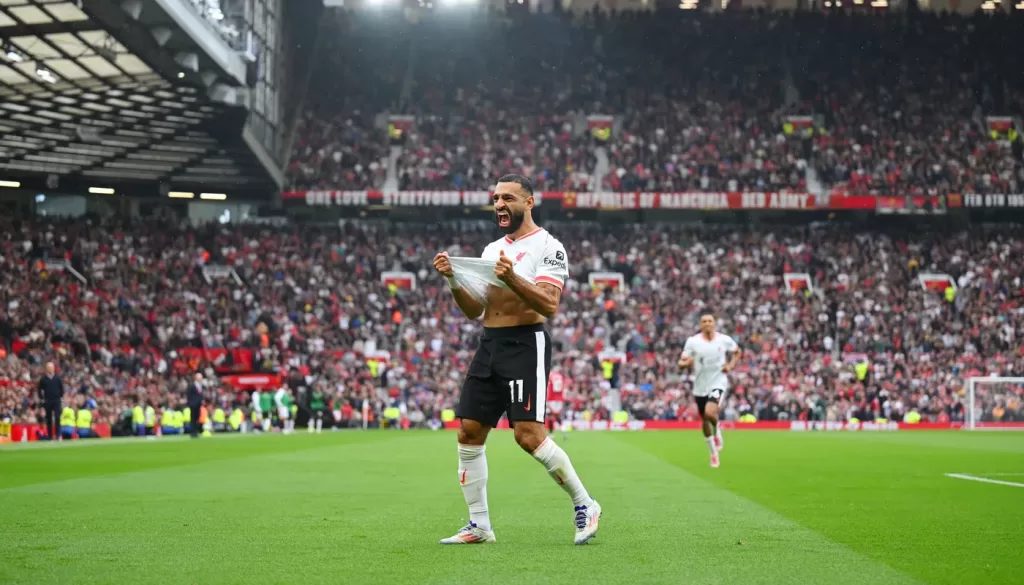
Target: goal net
995 402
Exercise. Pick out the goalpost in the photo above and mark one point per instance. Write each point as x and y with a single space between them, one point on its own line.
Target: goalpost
986 395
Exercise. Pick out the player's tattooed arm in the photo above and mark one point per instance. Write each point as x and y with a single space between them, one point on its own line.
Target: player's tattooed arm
542 297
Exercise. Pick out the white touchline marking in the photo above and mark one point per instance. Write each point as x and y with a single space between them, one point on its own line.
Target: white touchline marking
1015 473
985 480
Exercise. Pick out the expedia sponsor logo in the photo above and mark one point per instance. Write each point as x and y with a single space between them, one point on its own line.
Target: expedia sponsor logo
555 263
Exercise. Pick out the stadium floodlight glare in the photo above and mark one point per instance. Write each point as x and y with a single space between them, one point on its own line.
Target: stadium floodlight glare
213 196
45 74
101 190
10 184
181 195
14 56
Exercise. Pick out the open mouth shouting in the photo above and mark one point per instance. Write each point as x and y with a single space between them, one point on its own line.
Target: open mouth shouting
504 219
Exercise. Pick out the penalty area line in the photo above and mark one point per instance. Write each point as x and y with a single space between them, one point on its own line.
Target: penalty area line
984 479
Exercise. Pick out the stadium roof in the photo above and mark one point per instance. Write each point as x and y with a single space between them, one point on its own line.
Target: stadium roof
77 102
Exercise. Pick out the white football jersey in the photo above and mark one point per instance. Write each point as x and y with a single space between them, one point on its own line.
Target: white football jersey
709 357
537 256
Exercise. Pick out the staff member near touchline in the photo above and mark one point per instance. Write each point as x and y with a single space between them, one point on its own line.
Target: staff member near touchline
51 393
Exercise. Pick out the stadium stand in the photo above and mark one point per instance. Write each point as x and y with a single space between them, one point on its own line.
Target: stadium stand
313 302
131 310
704 109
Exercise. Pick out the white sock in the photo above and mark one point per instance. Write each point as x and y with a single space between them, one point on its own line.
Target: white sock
266 425
309 426
473 478
711 444
718 433
554 459
319 424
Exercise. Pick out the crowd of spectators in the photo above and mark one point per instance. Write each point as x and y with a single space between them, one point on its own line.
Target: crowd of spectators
309 304
337 141
899 103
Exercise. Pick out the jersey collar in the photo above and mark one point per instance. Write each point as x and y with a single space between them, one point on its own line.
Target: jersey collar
521 238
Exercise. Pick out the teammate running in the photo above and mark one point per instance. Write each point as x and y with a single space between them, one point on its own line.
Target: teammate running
708 352
509 372
556 402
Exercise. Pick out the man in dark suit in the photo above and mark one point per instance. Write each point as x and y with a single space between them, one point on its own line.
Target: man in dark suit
195 403
51 392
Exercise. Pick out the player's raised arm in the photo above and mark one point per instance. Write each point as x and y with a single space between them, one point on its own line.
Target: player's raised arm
469 306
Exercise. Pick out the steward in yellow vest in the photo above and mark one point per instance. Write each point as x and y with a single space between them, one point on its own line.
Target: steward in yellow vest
220 420
139 420
150 420
67 422
84 423
167 426
236 419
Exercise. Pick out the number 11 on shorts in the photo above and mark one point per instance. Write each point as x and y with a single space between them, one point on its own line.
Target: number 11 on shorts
513 385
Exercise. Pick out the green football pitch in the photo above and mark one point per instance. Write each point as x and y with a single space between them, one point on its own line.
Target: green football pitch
369 507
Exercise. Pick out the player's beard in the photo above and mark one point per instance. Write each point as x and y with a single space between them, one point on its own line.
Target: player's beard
515 221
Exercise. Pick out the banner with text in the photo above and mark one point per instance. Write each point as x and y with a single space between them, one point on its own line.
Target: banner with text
691 200
994 200
568 200
253 381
